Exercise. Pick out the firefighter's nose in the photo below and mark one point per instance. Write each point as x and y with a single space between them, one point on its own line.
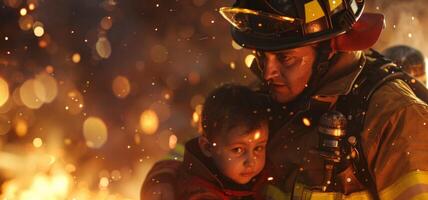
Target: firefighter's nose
271 70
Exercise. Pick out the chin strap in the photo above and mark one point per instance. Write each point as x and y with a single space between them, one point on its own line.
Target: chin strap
320 66
319 70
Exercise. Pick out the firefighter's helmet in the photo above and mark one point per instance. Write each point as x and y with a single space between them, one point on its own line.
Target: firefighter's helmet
271 25
410 59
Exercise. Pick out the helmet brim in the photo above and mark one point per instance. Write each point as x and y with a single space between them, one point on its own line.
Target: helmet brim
249 41
363 35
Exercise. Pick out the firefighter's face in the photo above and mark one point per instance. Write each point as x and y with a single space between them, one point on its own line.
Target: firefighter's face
240 154
287 72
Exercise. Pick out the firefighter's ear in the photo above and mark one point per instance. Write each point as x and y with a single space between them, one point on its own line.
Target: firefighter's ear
205 146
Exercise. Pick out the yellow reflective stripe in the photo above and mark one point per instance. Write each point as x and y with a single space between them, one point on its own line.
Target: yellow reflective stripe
403 183
362 195
334 4
313 11
176 154
421 197
303 192
274 193
325 195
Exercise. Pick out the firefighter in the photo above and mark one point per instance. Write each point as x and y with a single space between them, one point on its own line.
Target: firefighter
346 124
410 59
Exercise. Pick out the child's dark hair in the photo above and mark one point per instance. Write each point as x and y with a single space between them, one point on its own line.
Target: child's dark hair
230 106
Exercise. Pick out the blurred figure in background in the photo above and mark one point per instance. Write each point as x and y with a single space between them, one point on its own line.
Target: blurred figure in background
410 59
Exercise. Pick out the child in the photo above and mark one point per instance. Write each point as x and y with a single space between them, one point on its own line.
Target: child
226 162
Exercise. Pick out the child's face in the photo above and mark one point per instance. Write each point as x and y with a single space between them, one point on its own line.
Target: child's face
239 154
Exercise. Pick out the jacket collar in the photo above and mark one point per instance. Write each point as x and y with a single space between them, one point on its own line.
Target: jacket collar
199 165
342 74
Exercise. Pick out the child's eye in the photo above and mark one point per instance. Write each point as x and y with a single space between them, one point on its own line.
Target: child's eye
259 148
238 150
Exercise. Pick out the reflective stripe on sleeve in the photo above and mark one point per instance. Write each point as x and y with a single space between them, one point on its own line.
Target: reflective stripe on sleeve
413 185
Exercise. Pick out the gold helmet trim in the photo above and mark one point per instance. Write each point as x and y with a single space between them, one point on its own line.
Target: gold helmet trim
227 12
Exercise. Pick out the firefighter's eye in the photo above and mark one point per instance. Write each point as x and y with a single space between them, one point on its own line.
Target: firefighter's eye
286 59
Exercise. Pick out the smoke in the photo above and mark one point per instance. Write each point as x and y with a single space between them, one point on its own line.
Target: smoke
406 23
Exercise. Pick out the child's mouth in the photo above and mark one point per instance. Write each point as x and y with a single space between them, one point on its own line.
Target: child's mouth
247 174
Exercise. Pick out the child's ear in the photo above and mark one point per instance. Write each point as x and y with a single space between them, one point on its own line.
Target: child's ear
205 146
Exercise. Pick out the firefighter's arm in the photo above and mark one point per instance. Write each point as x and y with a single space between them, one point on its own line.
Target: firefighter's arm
160 181
401 163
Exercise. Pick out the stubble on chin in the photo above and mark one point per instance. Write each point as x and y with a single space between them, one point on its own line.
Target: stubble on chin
284 97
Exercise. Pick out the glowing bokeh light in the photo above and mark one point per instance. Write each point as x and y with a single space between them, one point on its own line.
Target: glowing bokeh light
21 128
37 142
306 121
167 94
104 182
103 47
31 6
38 31
4 91
43 43
232 65
95 132
49 69
75 57
121 87
5 124
23 12
7 106
196 117
28 95
172 141
106 23
149 122
16 97
47 87
249 60
26 22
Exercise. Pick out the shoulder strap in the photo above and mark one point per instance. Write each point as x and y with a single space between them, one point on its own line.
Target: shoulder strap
374 75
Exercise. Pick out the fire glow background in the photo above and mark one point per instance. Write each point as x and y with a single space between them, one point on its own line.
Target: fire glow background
93 92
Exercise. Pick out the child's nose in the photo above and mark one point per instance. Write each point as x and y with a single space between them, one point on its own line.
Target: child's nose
250 161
